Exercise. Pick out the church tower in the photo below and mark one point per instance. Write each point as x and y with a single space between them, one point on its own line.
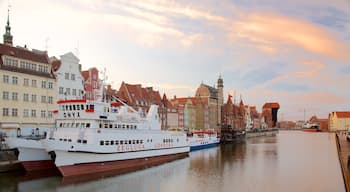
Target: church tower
220 98
7 36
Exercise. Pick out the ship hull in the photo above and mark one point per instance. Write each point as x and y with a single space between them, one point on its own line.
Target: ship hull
204 146
125 162
32 154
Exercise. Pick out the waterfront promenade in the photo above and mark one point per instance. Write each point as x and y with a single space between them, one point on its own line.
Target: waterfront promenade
344 151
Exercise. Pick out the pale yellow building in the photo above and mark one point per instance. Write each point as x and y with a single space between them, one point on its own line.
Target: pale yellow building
339 121
27 89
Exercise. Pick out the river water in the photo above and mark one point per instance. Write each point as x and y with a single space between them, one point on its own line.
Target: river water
291 161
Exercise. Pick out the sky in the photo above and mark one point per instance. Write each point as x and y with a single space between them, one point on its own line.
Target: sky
293 52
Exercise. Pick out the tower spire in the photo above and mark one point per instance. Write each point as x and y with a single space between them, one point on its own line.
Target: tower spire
7 36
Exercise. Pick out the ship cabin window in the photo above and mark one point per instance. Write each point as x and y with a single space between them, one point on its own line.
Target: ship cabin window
112 142
82 107
137 141
107 142
106 125
79 141
70 107
102 142
82 125
66 107
141 141
125 142
135 126
77 125
115 125
110 125
84 141
69 140
117 142
127 126
87 125
60 139
74 107
64 139
121 142
123 126
151 140
130 142
91 107
78 107
60 124
119 126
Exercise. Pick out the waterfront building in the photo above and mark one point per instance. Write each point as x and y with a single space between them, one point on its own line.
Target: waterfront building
70 82
27 89
339 121
269 112
233 116
141 99
171 117
213 98
92 84
193 113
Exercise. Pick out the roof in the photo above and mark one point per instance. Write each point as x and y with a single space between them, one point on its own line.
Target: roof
138 93
85 75
343 114
212 90
23 53
56 64
271 105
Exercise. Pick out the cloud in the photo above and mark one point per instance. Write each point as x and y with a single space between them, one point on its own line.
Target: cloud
270 32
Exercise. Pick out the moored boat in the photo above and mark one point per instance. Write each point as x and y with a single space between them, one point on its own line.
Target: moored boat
203 139
311 128
93 137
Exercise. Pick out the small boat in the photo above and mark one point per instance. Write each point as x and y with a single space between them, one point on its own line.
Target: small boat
202 140
311 127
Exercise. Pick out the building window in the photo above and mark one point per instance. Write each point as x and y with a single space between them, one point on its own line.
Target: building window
14 80
43 114
72 77
95 85
74 92
50 99
66 76
49 114
5 112
50 85
5 79
67 91
34 98
26 97
5 95
26 82
43 84
43 99
25 113
14 96
60 90
33 113
33 83
14 112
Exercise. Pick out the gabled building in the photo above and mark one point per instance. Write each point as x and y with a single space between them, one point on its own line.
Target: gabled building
141 99
91 84
70 82
213 98
339 121
27 89
234 116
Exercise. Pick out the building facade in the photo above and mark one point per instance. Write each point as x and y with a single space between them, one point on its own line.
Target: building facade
339 121
91 84
269 112
213 98
28 91
70 82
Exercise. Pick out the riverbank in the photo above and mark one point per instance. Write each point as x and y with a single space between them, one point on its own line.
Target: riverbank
343 147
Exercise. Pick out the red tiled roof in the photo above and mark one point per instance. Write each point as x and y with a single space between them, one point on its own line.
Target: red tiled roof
271 105
343 114
85 75
23 53
56 64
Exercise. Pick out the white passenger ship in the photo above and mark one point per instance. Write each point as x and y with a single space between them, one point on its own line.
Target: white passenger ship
94 137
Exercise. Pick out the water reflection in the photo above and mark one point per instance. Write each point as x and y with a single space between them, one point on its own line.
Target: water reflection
291 161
